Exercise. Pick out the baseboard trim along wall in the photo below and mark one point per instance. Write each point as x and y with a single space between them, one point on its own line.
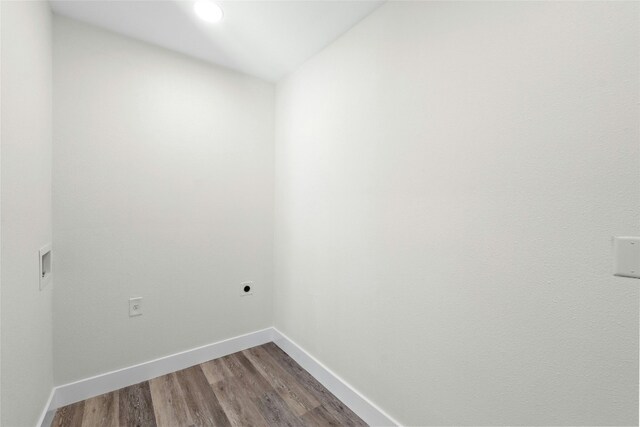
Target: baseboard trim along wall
84 389
47 414
356 401
114 380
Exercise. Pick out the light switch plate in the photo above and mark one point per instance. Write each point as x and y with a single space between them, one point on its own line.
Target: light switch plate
626 252
135 307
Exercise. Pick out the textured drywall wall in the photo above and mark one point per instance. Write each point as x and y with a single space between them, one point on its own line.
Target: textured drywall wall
448 179
27 366
163 189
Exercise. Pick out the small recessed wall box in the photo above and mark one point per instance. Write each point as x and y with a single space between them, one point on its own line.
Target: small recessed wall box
626 252
45 273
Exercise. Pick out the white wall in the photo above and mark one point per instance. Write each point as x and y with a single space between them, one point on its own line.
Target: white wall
448 179
163 188
27 367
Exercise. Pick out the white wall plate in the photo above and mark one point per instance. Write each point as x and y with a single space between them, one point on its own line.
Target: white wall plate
626 256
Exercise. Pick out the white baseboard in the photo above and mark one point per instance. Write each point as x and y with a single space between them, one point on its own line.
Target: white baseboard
90 387
359 404
47 413
110 381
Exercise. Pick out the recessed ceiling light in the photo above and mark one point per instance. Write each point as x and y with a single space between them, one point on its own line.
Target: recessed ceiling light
208 11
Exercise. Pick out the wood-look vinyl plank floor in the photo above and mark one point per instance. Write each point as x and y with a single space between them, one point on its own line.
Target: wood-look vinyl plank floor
261 386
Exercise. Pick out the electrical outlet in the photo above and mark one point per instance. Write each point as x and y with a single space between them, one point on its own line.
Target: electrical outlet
246 288
135 307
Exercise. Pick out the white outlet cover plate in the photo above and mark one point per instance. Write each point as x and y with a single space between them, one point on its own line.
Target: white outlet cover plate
135 306
626 256
242 285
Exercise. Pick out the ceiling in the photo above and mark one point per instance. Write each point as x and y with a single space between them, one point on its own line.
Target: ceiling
267 39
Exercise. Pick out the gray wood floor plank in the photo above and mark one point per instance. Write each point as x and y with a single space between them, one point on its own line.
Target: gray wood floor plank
247 375
276 411
296 396
215 370
202 402
320 417
340 411
169 404
102 411
238 406
69 416
135 406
